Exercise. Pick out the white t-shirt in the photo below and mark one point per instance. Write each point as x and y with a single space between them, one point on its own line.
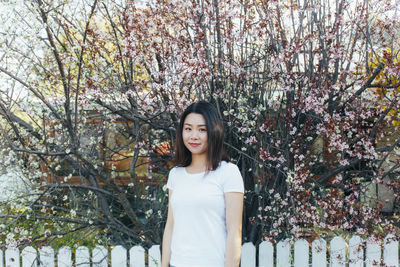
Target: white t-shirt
198 208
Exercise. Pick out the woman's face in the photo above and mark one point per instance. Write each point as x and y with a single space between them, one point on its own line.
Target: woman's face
194 134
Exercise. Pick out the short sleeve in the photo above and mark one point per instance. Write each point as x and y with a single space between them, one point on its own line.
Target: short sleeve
233 181
171 179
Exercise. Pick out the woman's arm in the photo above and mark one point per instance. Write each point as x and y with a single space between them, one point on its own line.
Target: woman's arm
166 242
234 210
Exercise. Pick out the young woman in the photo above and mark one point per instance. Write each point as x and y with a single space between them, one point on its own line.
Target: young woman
204 223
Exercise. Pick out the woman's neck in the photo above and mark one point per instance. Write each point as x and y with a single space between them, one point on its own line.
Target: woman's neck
199 162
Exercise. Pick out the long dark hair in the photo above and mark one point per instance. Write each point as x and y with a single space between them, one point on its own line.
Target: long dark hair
215 132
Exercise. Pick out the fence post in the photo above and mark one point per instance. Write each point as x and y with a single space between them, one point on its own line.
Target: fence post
356 252
12 257
137 256
100 256
155 256
283 254
373 252
266 254
390 251
338 252
248 258
64 257
301 249
118 256
319 253
29 257
46 257
82 257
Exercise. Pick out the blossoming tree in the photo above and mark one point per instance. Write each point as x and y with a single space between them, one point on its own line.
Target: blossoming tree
293 81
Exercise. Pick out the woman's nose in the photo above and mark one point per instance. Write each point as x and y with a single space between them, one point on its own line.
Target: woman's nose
194 134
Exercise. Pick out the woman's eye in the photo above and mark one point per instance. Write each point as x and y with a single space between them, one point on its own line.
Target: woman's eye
187 129
203 130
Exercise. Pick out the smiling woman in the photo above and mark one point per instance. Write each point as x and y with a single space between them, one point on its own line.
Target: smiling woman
194 134
205 195
203 119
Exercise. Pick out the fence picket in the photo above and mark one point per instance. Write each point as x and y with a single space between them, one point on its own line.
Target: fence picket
391 251
1 258
137 256
29 257
119 256
82 257
319 253
248 258
64 257
100 256
46 257
283 253
154 256
338 252
12 257
266 254
301 249
373 252
356 252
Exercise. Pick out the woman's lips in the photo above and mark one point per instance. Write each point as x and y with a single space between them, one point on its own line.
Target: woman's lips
194 144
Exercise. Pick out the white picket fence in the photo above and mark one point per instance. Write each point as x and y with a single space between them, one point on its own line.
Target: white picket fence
357 253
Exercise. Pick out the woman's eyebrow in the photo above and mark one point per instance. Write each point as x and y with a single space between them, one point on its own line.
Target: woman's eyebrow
196 125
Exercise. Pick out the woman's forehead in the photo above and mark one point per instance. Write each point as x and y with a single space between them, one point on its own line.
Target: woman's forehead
195 119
